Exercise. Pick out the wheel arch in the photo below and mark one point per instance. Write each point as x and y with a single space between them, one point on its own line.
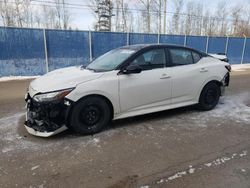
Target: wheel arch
213 80
100 96
111 107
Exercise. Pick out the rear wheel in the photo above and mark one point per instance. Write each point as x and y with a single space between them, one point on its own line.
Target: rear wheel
210 96
90 115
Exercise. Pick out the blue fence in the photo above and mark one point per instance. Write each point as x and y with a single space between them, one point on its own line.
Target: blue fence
22 51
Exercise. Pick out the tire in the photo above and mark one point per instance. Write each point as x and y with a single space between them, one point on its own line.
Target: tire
209 97
90 115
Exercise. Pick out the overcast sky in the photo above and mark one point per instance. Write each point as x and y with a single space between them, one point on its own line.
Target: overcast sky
83 19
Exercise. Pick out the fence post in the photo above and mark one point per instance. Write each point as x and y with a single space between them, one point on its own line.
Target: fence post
226 45
207 44
90 46
128 38
45 51
158 39
243 50
185 40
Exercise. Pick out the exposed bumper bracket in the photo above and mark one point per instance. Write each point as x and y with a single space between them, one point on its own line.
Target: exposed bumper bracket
45 134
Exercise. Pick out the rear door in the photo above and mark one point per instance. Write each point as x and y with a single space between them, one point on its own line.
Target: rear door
188 74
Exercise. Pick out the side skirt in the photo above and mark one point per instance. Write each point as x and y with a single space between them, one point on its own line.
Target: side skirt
152 110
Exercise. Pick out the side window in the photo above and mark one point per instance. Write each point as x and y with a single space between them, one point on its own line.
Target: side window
151 59
181 56
196 57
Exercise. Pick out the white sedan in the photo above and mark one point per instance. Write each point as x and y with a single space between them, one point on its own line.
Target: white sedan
127 81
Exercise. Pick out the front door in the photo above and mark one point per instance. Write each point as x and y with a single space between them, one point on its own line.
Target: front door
148 89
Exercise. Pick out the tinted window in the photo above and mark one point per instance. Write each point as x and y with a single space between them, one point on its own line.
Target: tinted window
181 56
151 59
196 57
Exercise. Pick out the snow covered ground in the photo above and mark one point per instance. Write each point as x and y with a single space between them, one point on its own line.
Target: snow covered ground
10 78
240 67
230 108
171 147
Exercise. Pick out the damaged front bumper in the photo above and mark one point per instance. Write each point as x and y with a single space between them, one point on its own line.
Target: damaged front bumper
46 119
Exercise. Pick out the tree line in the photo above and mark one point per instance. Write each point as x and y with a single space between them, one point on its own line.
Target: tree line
144 16
22 13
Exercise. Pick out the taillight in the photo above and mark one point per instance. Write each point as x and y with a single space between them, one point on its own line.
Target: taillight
228 67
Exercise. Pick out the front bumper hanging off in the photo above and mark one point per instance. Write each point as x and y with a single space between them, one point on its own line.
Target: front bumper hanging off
45 119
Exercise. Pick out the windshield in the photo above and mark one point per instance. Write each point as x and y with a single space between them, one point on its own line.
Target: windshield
110 60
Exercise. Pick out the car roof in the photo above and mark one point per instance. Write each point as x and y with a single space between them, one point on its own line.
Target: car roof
141 46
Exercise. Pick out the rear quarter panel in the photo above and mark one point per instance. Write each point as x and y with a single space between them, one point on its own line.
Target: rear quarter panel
216 71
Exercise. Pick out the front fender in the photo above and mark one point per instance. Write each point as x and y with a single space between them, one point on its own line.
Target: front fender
107 90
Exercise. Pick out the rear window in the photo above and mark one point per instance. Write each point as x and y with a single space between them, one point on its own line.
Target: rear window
181 56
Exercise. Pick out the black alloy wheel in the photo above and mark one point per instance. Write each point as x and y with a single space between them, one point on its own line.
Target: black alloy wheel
210 96
90 115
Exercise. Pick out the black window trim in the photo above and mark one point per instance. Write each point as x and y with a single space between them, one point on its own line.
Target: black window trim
145 50
167 53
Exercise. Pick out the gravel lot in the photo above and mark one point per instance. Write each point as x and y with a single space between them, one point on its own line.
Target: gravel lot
176 148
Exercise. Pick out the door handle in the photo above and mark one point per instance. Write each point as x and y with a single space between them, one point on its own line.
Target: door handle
165 76
203 70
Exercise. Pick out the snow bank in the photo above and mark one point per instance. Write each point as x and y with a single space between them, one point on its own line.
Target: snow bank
10 78
240 67
233 108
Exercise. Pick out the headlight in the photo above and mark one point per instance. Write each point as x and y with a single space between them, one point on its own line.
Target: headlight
51 96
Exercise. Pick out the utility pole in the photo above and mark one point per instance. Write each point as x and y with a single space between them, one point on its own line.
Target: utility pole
160 4
165 15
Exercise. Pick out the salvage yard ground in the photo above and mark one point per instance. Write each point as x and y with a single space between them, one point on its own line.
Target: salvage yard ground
176 148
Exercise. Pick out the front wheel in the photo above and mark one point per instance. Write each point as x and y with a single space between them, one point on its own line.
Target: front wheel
210 96
90 115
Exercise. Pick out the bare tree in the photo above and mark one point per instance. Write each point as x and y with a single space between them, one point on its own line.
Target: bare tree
123 16
157 8
18 12
236 16
7 13
49 17
146 15
178 4
93 5
117 15
124 8
205 23
243 28
62 15
222 14
188 19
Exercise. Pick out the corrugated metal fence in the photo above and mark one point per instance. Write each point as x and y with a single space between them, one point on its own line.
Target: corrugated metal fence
36 51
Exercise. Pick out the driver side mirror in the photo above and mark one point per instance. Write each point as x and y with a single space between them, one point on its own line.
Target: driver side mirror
132 69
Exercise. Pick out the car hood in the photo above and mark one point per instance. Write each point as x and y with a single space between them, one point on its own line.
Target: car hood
62 79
